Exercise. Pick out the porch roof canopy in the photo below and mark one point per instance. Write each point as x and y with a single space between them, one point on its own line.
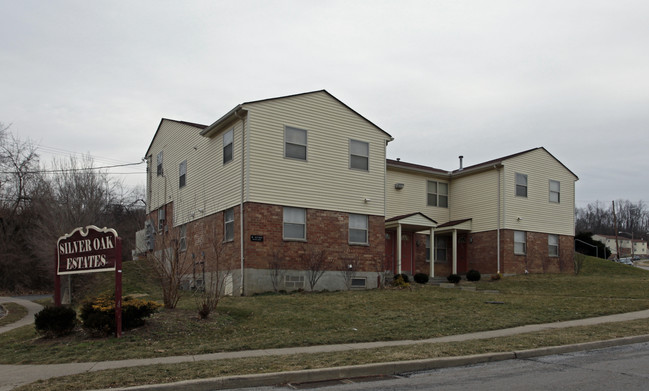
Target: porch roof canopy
459 225
412 222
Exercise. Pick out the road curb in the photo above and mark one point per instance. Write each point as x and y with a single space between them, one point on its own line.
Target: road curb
387 368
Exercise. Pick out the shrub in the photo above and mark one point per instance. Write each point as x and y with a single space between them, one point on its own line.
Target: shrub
98 314
421 278
473 275
399 281
496 277
403 276
55 321
453 278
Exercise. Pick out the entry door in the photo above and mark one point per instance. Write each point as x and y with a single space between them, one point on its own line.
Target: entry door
462 262
407 252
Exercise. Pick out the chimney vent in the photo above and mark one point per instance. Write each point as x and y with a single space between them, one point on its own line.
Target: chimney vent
461 157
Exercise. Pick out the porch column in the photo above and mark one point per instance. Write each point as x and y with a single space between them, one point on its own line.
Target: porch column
432 253
399 248
454 251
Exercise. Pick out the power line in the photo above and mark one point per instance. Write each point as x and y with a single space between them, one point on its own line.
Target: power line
74 169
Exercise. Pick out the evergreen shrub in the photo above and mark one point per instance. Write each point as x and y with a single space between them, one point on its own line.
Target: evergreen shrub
453 278
473 275
98 313
421 278
55 321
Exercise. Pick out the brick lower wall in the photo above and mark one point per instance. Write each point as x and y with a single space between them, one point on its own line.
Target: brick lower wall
482 254
325 231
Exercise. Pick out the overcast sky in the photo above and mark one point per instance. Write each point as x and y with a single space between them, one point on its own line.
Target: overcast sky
483 79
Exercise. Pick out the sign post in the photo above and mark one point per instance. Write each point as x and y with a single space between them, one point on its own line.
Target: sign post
89 250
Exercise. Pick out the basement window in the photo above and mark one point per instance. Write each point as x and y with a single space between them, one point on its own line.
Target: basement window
359 282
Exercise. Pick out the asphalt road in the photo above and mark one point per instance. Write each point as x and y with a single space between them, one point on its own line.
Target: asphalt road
619 368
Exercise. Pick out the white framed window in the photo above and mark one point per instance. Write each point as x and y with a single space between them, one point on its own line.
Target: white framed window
159 164
553 245
441 249
294 223
182 245
182 174
358 228
295 143
359 155
437 194
228 145
228 223
161 219
521 185
520 242
555 191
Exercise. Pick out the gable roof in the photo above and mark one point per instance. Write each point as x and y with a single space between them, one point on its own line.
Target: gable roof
233 114
192 124
470 169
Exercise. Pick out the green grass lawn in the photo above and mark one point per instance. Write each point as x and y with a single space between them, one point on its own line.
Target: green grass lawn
303 319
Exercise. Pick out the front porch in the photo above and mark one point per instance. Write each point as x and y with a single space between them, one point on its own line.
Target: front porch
422 239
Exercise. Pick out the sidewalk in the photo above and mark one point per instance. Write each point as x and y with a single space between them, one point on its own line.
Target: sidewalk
14 375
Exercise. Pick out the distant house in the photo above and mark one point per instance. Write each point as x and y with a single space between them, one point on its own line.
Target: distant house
275 182
624 244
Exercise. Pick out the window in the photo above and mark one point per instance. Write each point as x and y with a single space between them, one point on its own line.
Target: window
294 223
553 245
521 185
182 246
228 221
427 248
440 249
295 143
359 155
159 163
182 174
228 139
437 194
555 191
161 219
520 243
358 229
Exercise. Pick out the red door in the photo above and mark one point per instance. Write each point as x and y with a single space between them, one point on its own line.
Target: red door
407 251
407 243
462 262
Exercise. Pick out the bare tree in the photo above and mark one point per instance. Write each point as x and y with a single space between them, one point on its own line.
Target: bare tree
215 283
316 263
170 263
20 180
275 270
348 267
382 270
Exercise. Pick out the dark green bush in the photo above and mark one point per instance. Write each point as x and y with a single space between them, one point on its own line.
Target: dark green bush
55 321
453 278
98 314
404 277
473 275
420 278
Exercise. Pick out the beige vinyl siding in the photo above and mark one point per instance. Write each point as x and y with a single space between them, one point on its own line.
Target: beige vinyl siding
536 212
413 197
325 180
476 197
211 186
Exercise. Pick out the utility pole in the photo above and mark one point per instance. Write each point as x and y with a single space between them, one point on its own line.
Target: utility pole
617 242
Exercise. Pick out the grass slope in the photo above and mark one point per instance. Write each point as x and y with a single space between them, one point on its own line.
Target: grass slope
302 319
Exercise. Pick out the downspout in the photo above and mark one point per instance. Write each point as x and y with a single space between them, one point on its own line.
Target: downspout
499 215
243 134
